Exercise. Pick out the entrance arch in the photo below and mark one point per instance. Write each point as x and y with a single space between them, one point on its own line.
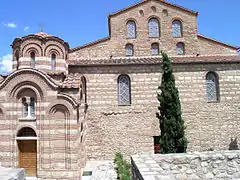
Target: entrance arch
27 146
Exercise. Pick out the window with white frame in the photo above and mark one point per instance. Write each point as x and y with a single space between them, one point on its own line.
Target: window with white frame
131 29
154 27
124 90
28 104
177 28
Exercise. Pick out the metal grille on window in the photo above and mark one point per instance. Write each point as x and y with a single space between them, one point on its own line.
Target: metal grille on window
25 107
153 28
212 86
131 29
180 48
176 28
124 90
155 49
129 50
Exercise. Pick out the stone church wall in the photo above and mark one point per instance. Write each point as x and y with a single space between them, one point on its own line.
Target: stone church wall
205 165
130 129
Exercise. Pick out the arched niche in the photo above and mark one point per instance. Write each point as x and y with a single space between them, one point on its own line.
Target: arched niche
26 132
59 112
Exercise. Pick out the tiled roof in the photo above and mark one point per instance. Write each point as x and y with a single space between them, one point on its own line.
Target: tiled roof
43 34
154 60
216 41
163 1
90 44
72 81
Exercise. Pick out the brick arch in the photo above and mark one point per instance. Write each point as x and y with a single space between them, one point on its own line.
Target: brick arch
60 103
28 48
54 47
59 108
26 85
25 125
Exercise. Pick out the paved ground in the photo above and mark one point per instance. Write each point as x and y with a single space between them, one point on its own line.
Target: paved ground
31 178
101 170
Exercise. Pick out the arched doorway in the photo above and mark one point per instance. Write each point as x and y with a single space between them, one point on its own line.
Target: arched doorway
27 145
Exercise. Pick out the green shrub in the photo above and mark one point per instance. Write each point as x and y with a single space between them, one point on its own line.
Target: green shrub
122 167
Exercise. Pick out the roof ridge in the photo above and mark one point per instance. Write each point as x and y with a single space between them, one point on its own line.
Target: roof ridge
90 44
217 41
143 1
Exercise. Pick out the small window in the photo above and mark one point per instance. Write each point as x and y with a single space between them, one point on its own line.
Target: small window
32 56
156 140
212 87
124 90
131 29
177 28
129 50
155 49
53 61
28 107
154 28
180 48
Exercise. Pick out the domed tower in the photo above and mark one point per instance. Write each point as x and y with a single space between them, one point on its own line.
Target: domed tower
40 51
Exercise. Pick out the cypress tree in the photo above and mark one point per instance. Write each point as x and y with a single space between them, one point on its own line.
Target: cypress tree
172 138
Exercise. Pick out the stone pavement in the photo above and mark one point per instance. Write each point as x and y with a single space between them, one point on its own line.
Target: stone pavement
12 174
101 170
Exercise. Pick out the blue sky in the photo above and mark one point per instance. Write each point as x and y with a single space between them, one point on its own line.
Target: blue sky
79 21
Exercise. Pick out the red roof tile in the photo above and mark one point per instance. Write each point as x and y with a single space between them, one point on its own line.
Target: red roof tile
154 60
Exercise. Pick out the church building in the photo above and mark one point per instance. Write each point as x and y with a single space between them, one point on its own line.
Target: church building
61 107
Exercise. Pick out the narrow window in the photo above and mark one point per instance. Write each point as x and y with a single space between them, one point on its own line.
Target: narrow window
32 107
156 144
32 55
212 87
124 90
129 50
177 28
17 59
154 28
25 107
131 29
53 61
155 48
28 107
180 48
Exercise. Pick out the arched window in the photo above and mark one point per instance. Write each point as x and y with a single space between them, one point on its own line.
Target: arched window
32 56
131 29
28 107
124 90
26 132
180 48
212 87
177 28
53 61
155 48
154 28
84 88
17 59
129 50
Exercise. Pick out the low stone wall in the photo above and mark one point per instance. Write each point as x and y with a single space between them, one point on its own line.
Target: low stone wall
12 174
190 166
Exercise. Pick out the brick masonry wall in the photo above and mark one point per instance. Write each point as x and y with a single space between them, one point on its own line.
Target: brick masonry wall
205 165
142 43
130 129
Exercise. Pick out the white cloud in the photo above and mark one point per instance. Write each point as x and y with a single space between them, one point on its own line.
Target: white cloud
26 29
6 64
10 25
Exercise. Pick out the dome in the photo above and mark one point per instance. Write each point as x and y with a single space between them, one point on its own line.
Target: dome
43 34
